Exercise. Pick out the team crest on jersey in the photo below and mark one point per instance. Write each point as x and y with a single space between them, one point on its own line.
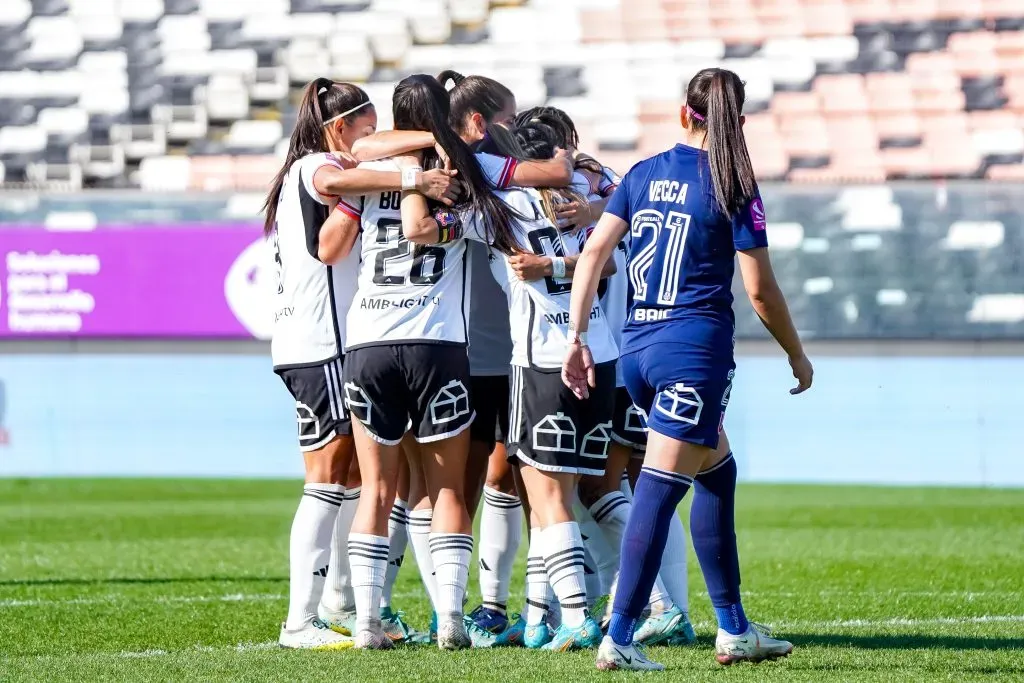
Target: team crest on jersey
595 443
305 417
555 433
680 402
358 403
636 419
450 403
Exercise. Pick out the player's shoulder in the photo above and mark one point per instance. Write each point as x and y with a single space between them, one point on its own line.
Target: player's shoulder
581 183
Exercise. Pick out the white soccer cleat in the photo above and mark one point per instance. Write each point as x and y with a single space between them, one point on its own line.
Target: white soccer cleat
373 638
313 636
612 657
342 621
755 645
452 635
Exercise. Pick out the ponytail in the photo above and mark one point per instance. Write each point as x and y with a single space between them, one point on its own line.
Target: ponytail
322 100
474 94
714 99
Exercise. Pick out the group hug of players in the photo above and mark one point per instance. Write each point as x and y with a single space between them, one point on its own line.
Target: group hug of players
469 304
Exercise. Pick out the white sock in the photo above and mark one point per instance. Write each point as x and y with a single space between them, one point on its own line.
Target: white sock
610 513
451 554
419 538
338 595
600 557
625 488
368 558
537 602
563 559
309 550
673 565
398 539
501 532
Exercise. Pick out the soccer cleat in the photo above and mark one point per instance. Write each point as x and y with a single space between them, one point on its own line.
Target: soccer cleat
683 633
582 637
452 635
537 635
313 636
753 646
340 621
373 638
395 628
612 657
513 633
482 638
659 629
489 620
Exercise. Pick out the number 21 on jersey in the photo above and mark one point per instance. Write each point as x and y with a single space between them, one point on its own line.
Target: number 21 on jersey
647 230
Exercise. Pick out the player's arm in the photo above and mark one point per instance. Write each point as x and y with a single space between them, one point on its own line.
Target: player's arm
553 172
338 233
391 143
770 305
528 267
580 213
331 181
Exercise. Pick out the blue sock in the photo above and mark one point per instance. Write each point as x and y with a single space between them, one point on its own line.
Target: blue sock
658 494
713 529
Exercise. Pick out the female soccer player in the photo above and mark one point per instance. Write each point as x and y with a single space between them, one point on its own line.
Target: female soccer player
408 366
315 283
689 211
553 435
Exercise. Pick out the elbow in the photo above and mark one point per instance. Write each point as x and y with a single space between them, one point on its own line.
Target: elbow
562 176
362 151
423 231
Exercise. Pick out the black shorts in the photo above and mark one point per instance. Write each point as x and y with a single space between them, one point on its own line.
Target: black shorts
319 403
490 400
629 424
552 430
422 388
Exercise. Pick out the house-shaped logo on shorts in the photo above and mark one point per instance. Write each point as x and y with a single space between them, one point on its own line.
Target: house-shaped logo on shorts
680 402
450 403
597 440
555 433
636 420
305 416
358 403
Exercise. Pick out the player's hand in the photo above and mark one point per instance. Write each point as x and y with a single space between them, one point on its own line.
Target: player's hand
346 160
578 370
439 184
573 214
803 371
529 267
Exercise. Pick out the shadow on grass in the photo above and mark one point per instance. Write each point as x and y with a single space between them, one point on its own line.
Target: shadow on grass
127 580
906 642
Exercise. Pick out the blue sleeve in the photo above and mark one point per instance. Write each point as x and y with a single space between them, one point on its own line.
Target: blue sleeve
618 205
748 226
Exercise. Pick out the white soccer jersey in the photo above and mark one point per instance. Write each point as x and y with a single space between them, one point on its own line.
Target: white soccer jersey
406 292
539 310
312 298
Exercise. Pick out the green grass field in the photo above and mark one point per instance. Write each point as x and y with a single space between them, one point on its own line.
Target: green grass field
186 580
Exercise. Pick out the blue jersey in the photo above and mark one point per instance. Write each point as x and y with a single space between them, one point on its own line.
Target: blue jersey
682 253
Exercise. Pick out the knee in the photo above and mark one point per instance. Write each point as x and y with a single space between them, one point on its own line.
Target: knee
502 482
591 488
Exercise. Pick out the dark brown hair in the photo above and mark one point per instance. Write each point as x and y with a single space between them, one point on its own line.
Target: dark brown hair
568 137
322 99
421 103
470 94
716 96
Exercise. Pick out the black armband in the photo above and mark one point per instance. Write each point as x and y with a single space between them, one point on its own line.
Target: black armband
449 225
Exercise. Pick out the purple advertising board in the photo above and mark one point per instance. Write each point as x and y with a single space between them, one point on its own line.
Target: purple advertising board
199 281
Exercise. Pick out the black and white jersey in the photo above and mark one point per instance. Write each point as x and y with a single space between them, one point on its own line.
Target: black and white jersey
539 310
311 298
406 293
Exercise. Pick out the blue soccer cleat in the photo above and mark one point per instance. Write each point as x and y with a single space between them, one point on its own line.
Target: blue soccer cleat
514 633
669 627
537 635
585 636
489 620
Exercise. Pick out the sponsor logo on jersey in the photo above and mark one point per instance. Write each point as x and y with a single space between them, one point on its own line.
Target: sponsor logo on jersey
642 315
757 214
383 304
563 317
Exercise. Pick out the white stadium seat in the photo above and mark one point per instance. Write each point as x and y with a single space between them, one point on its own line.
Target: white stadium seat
22 139
164 174
252 135
68 122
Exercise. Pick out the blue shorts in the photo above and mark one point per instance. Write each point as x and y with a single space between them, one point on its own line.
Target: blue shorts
683 389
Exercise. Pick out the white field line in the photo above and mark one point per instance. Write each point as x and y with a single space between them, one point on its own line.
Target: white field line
273 597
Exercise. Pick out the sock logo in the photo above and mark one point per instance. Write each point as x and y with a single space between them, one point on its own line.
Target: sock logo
450 403
680 402
555 433
483 565
322 571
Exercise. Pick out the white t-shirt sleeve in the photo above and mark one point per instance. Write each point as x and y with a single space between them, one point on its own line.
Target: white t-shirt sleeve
498 170
473 227
308 166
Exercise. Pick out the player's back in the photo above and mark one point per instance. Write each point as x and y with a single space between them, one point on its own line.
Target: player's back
682 254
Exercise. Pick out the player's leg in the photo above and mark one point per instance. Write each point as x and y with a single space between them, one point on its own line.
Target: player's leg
438 377
421 518
337 605
487 407
326 444
393 621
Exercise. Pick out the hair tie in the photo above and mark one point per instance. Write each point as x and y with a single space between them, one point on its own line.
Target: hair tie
693 114
346 113
321 91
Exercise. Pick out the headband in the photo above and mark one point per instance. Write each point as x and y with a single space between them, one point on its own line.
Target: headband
693 114
346 113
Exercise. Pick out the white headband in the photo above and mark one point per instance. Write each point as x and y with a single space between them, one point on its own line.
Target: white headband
346 113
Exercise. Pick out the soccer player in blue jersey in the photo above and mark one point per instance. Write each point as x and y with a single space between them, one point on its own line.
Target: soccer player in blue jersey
690 211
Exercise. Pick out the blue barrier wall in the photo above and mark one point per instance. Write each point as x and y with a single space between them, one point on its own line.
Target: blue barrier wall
942 420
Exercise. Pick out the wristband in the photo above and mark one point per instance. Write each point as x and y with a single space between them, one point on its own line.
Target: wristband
449 226
558 267
409 177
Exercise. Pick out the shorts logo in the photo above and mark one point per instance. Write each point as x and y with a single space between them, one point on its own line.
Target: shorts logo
305 416
636 419
681 403
555 433
728 389
596 442
358 403
450 403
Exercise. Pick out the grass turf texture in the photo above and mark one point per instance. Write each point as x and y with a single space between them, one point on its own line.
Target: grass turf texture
186 580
